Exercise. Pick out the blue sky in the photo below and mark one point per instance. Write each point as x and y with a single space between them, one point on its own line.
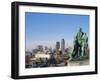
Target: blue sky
48 27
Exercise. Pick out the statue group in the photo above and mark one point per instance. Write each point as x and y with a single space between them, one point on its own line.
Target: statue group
80 50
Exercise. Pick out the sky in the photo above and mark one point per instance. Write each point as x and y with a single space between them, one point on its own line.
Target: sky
46 28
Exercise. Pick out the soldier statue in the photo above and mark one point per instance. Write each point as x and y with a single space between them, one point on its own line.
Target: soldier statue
80 44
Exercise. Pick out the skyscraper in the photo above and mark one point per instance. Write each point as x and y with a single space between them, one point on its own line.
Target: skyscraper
63 45
57 45
40 48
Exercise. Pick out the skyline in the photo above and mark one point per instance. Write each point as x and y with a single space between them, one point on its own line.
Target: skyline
47 28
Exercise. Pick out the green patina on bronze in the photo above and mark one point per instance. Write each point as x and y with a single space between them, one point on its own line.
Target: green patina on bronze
80 51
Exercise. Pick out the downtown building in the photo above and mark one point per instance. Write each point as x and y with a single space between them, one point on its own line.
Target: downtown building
63 45
57 45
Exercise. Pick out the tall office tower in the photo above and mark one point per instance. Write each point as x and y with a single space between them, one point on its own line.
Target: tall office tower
62 45
57 45
40 48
